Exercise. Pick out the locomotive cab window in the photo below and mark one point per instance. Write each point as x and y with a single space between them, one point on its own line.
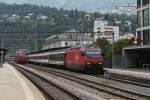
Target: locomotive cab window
57 57
93 53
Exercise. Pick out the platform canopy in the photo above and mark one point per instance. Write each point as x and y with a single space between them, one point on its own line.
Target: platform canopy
136 56
1 49
4 51
2 54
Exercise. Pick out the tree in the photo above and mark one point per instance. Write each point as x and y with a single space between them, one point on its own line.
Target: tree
60 17
104 45
119 45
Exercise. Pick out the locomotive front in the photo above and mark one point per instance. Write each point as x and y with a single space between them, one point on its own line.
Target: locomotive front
85 58
20 58
93 59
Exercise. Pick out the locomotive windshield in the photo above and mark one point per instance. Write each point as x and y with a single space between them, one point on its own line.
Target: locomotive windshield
93 53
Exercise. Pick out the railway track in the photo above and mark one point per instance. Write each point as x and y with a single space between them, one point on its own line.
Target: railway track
101 86
50 90
127 79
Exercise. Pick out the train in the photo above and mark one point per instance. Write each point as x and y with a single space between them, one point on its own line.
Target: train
21 58
83 57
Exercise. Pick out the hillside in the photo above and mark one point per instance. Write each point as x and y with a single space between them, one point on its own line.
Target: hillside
29 18
76 4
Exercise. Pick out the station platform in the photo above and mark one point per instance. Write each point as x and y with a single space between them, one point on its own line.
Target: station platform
15 86
137 73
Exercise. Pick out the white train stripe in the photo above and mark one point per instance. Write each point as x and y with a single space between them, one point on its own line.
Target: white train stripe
57 52
39 60
45 54
57 62
47 61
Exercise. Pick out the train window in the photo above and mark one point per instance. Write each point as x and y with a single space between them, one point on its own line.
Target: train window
66 43
57 57
93 53
44 57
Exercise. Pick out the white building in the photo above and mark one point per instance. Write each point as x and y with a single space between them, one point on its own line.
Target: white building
104 30
127 36
69 38
13 18
3 18
42 17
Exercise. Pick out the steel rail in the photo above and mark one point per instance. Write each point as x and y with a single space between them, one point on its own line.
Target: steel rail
98 86
46 85
129 80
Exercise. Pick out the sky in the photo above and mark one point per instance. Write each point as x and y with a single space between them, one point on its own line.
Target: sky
86 5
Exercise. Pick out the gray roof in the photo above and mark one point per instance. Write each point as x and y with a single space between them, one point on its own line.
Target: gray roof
69 37
137 47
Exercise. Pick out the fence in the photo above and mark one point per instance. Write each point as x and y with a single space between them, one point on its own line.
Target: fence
117 61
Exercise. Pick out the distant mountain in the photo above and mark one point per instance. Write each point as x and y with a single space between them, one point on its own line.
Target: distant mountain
88 5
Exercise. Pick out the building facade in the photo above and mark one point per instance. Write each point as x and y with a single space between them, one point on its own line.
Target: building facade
69 38
143 21
104 30
138 56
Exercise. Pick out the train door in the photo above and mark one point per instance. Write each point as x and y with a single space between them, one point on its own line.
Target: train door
69 59
77 58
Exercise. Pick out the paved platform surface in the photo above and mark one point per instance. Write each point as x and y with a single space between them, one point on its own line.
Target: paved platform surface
135 73
15 86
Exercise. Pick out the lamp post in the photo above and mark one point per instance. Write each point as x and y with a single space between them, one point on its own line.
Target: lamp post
113 53
2 58
34 30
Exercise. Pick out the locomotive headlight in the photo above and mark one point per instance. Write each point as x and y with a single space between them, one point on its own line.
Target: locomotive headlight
99 63
88 63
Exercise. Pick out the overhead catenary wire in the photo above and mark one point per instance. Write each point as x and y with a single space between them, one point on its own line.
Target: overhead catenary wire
66 4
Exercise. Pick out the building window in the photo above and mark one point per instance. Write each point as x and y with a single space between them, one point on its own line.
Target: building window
145 2
139 19
138 3
139 34
71 43
66 44
146 37
79 42
146 17
70 36
98 32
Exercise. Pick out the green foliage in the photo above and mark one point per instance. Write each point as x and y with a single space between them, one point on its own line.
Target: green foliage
104 45
119 45
59 20
107 47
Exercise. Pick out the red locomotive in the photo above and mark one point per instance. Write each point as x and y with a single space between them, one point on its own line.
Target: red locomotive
82 57
21 58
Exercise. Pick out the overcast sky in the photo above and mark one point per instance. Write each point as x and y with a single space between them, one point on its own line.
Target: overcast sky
88 5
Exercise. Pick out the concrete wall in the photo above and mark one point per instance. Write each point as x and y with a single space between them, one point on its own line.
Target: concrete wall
130 60
136 57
